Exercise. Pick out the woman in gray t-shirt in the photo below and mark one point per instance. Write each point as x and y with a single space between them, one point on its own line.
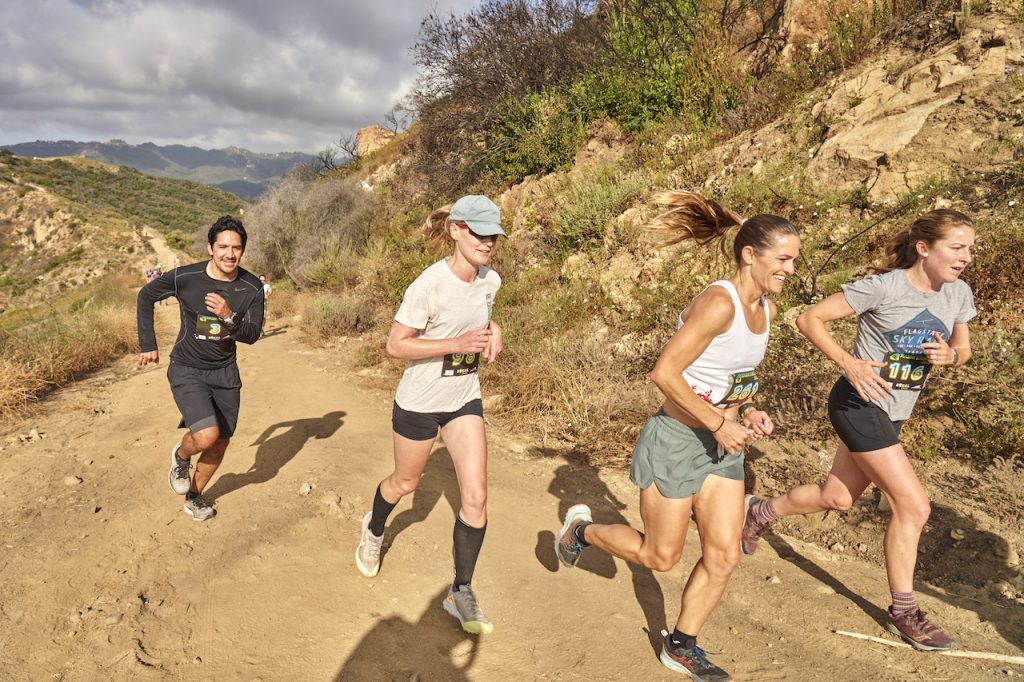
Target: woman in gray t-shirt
909 320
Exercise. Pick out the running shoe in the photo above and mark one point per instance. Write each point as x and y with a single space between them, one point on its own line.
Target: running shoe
178 476
199 509
693 662
567 547
368 551
916 630
752 528
462 604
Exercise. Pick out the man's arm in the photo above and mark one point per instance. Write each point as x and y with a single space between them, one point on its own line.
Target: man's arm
249 322
160 288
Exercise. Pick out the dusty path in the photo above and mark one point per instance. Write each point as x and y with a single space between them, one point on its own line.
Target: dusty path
107 578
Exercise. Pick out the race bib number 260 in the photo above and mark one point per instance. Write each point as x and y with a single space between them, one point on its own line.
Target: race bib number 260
744 386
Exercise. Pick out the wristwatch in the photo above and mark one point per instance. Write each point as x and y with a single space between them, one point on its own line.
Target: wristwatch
230 320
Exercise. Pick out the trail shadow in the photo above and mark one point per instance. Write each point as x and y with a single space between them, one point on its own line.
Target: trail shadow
433 648
787 552
439 480
978 561
576 483
276 451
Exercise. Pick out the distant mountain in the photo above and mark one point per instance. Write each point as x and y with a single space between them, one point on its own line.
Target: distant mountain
243 173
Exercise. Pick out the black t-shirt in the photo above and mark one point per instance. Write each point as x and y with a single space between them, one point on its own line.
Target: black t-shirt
204 341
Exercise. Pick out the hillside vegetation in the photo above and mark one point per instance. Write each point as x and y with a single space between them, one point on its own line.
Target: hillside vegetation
239 171
571 114
71 251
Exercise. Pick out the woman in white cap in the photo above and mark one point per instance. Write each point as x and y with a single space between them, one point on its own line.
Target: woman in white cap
443 328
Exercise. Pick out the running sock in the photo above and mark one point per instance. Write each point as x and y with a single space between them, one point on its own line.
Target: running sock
191 495
467 541
681 640
381 510
903 602
764 512
577 533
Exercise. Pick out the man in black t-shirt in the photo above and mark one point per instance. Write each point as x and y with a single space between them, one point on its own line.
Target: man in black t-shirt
220 304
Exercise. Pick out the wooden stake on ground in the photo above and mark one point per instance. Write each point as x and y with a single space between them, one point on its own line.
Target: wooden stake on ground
1016 660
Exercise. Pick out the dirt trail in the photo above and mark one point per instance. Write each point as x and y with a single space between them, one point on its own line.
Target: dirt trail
105 577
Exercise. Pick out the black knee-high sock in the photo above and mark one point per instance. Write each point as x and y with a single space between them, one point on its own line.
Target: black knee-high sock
381 509
467 541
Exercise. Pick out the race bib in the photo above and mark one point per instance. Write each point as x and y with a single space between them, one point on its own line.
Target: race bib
459 364
210 328
744 386
905 371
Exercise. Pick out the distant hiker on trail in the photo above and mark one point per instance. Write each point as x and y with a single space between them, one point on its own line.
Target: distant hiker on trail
688 459
443 329
910 319
267 290
220 304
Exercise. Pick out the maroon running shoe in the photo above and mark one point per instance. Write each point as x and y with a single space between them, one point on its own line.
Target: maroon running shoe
752 528
919 632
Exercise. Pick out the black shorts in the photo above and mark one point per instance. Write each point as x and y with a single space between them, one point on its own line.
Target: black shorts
424 425
863 427
206 397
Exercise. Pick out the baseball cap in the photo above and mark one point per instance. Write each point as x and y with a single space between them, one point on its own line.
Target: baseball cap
480 213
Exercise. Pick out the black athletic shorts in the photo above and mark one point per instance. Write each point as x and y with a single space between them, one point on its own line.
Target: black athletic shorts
863 427
206 397
424 425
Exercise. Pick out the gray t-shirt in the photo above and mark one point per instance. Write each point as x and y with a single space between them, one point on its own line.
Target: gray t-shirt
443 307
895 318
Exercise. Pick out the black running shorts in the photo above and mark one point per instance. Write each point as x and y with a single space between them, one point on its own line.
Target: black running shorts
424 425
206 397
863 427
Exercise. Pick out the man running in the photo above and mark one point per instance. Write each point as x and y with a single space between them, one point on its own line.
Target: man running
220 304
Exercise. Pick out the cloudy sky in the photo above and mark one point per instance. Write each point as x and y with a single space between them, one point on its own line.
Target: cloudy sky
266 75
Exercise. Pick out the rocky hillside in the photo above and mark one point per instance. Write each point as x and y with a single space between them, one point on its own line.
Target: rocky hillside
65 224
239 171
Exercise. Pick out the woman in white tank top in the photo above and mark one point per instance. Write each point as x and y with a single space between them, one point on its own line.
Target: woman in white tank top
688 459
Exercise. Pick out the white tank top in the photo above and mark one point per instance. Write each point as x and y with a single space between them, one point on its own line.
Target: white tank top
723 374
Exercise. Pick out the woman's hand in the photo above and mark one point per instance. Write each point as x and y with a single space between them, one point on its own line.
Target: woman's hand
758 423
473 341
862 376
732 436
938 352
494 344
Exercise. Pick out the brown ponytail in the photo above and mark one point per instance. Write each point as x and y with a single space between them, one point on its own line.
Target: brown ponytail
928 228
435 227
691 216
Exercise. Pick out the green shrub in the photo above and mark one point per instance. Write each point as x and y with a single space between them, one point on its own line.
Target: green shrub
533 134
330 316
590 204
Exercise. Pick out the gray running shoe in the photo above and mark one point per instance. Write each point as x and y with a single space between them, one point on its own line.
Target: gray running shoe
368 551
199 509
178 476
462 604
566 546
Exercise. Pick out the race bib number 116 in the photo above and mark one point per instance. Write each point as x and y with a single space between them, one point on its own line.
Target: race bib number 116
906 372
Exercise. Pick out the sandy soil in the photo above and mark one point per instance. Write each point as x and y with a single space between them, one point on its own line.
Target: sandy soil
104 576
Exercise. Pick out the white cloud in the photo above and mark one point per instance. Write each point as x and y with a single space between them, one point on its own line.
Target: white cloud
261 74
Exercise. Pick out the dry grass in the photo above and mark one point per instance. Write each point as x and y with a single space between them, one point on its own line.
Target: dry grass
37 358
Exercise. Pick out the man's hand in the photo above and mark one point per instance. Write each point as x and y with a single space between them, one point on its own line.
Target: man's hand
217 305
149 358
